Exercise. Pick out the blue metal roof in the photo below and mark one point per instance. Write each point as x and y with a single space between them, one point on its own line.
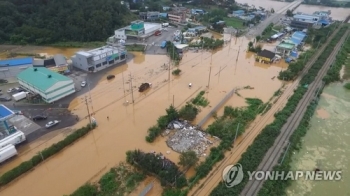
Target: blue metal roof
163 15
323 21
299 35
295 40
16 62
238 12
5 113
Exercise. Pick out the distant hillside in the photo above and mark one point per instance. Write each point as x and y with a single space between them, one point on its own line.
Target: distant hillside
49 21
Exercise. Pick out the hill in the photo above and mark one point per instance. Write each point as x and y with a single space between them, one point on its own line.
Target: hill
49 21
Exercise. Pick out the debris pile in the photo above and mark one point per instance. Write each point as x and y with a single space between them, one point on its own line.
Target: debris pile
186 137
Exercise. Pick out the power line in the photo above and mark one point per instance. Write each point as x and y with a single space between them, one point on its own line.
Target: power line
131 88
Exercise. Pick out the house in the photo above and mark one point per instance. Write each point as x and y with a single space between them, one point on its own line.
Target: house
285 48
304 21
265 56
276 36
149 15
238 13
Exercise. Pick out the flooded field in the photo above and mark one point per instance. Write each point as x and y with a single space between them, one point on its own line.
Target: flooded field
326 145
337 13
127 126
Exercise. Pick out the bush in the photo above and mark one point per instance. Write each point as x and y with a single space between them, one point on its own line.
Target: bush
199 100
176 72
347 85
45 154
188 112
167 171
162 123
85 190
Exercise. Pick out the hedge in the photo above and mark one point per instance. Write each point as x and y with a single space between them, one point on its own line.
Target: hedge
264 141
45 154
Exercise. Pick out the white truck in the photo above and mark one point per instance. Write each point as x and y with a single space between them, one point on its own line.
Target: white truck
13 139
19 96
7 152
165 24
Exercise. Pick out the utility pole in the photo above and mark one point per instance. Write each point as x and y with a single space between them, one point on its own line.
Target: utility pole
169 73
123 86
87 107
92 106
209 77
132 92
239 48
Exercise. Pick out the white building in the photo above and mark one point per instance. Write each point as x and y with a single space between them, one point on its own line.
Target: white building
99 58
137 29
51 86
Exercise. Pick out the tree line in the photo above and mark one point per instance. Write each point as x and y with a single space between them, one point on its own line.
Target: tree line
44 21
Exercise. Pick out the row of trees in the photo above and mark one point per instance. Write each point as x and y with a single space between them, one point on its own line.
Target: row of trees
263 142
156 164
209 43
341 59
43 22
300 132
316 38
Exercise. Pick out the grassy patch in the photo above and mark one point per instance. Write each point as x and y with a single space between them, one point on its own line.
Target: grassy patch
135 47
347 85
120 180
78 44
234 22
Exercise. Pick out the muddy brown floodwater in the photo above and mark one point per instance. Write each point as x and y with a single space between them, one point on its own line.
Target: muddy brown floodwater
90 157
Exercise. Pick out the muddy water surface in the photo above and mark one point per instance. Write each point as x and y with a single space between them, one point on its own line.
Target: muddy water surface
337 13
90 157
326 145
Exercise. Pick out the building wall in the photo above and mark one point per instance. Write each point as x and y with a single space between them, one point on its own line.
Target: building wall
120 34
11 72
300 25
100 64
30 87
263 58
179 18
80 62
153 29
59 90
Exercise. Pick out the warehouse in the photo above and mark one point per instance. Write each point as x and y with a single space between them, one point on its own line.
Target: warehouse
137 29
99 58
57 63
51 86
9 68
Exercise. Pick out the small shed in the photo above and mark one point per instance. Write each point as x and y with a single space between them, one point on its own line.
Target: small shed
265 56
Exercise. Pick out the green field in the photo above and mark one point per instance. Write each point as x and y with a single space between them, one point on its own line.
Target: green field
234 22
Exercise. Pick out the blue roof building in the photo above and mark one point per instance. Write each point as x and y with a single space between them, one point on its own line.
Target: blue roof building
238 13
163 15
323 22
16 62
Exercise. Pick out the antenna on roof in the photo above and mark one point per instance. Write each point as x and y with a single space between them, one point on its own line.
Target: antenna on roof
49 76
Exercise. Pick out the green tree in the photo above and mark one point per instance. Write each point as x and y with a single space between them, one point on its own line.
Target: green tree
172 113
188 159
188 112
289 13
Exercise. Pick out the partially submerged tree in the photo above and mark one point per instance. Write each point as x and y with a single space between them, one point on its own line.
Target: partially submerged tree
188 159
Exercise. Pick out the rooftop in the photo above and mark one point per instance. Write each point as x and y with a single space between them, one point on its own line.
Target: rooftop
98 51
299 35
286 45
305 16
5 113
16 62
39 77
267 54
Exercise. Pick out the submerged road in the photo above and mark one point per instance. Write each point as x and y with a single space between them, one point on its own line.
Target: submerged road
205 186
272 156
274 18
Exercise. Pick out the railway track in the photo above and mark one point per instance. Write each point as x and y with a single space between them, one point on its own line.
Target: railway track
215 176
272 156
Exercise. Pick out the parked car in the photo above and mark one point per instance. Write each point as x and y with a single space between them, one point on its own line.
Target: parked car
110 77
39 117
5 99
52 123
83 84
3 81
11 90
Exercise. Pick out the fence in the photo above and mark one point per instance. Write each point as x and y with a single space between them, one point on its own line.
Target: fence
219 105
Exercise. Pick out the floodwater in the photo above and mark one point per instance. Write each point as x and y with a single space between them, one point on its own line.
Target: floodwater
90 157
337 13
326 145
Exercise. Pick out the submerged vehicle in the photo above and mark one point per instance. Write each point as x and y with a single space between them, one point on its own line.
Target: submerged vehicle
144 86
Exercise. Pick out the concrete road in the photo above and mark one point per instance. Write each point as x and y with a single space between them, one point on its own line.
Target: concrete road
274 18
167 35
